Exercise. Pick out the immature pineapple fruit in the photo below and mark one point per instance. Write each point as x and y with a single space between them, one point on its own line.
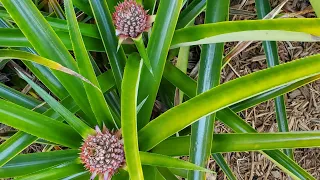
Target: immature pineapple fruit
102 153
131 19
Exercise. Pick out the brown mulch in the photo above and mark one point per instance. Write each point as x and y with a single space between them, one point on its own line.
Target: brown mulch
303 104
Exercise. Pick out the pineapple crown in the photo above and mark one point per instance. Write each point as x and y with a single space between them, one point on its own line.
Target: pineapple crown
102 153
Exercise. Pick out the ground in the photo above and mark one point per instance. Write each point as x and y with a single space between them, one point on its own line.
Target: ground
303 104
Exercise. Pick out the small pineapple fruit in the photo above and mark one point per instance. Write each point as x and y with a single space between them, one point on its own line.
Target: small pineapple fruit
102 153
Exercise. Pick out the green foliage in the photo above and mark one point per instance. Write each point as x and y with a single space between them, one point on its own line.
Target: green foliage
129 118
70 53
209 77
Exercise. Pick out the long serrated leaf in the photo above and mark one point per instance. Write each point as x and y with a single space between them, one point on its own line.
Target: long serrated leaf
57 9
89 30
316 6
43 38
21 99
14 146
129 93
38 125
236 123
46 76
224 96
29 163
240 142
21 139
188 86
167 174
224 166
5 53
276 156
42 73
209 77
182 64
95 96
14 38
57 172
157 51
104 22
37 161
159 160
106 82
143 53
25 139
265 141
251 30
190 13
8 134
83 129
271 51
272 94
